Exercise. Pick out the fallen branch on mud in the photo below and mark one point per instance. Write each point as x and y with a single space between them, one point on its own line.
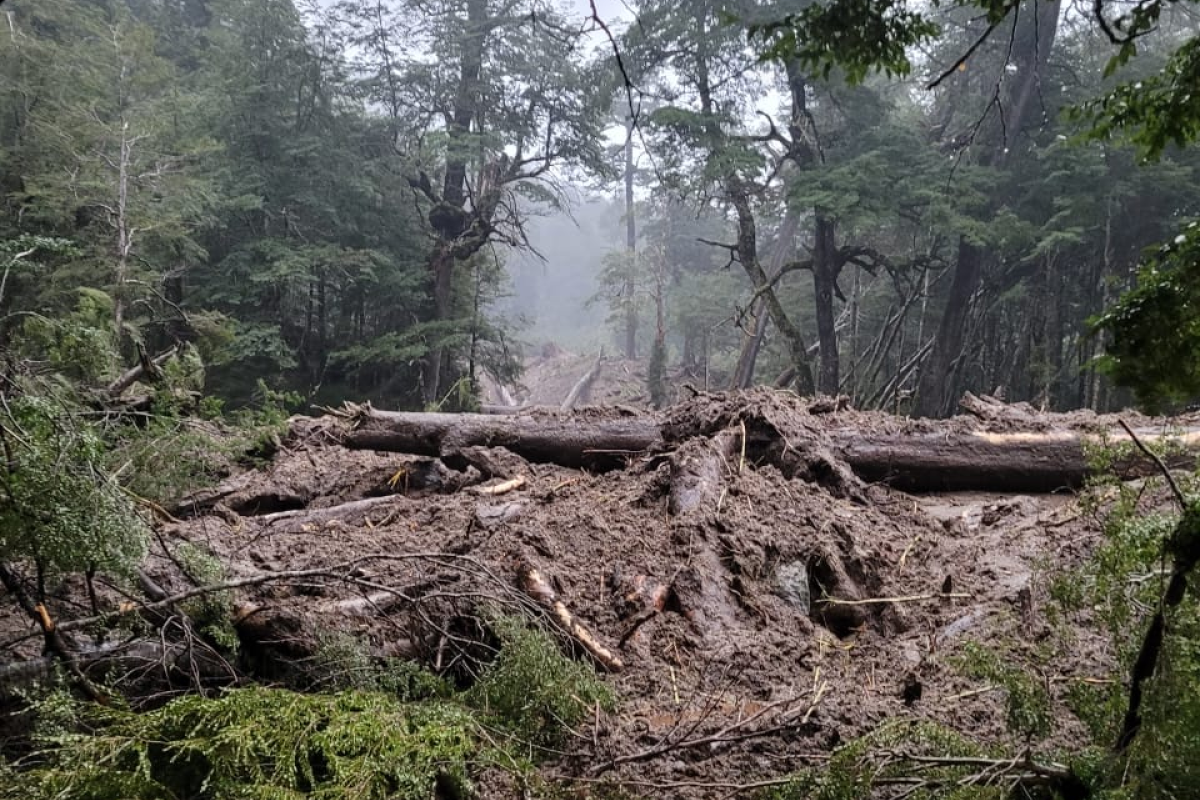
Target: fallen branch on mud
503 488
533 584
911 598
342 571
793 712
1021 771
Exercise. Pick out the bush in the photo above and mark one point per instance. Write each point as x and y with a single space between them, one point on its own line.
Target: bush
264 743
400 740
59 508
533 691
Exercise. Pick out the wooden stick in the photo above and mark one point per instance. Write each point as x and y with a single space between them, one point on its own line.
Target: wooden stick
534 585
503 488
912 598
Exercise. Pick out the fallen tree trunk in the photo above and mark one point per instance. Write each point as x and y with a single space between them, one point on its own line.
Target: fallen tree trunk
584 385
566 440
149 368
957 460
1043 461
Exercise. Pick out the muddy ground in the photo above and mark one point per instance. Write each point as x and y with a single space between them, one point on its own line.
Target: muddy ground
759 621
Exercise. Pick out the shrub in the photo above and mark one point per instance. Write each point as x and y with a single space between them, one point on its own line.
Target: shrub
264 743
532 690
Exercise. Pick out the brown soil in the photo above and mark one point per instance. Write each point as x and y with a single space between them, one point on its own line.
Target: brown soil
744 642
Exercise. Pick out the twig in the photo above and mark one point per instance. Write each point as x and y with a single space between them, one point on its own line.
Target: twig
912 598
1159 462
503 488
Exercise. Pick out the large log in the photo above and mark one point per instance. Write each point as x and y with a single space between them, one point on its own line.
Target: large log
956 460
1036 461
567 440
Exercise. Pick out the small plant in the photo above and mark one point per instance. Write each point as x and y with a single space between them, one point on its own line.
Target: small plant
533 691
209 612
895 753
1027 699
344 663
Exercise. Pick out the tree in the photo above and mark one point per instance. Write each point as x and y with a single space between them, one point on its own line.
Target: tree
104 154
480 125
1151 111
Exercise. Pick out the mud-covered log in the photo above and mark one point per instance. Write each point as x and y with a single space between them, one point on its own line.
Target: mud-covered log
956 460
1036 461
569 441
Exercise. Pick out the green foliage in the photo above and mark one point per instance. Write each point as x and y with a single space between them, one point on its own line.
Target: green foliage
1153 343
531 690
1027 701
1121 586
855 769
396 732
211 612
58 506
79 345
857 36
175 453
1154 112
342 662
260 742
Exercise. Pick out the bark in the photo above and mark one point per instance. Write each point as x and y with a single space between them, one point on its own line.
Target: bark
957 460
451 214
631 315
825 270
739 192
938 377
785 243
566 440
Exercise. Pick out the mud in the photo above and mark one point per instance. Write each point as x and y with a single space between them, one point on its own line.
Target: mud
783 609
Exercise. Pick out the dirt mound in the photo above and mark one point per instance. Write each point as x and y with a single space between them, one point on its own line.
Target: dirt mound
761 602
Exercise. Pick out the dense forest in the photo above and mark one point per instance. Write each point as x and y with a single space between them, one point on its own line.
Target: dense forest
811 232
326 198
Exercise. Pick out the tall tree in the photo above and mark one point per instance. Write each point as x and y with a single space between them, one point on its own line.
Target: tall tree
498 100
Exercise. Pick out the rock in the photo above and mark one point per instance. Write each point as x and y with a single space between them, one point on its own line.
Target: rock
791 583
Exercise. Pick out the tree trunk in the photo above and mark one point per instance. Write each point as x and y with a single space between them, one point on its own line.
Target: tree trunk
583 386
785 244
441 265
631 316
956 460
454 187
824 276
1032 43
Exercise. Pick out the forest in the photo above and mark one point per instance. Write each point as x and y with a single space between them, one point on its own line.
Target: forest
530 398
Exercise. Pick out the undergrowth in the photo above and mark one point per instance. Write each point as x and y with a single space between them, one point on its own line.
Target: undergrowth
406 736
